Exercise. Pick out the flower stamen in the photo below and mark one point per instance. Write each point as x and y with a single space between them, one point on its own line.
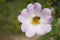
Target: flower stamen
36 20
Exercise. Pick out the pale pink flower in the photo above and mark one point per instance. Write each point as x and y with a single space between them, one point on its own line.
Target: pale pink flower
35 21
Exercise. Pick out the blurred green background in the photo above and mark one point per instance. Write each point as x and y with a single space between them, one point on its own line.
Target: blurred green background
10 9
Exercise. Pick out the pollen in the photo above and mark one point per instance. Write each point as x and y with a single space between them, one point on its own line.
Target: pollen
36 20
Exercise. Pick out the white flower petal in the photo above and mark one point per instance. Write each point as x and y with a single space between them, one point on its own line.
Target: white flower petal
30 32
24 27
25 13
23 19
46 27
40 31
46 12
46 20
30 9
37 7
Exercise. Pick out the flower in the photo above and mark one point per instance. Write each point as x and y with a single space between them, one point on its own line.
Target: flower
35 21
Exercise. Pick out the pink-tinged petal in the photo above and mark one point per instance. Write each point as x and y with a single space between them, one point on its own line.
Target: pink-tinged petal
26 26
30 9
49 19
30 32
37 7
46 20
46 27
23 19
25 13
40 31
46 12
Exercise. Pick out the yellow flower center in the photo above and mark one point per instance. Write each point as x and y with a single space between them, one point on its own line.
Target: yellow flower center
35 20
